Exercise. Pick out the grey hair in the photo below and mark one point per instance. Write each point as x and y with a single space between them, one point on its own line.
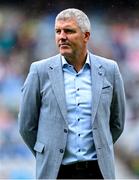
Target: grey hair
80 17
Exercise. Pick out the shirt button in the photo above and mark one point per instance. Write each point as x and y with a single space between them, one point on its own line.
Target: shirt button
100 73
79 134
65 131
61 150
77 89
78 119
79 150
78 104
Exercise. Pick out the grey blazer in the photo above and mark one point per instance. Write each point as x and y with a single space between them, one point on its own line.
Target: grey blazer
43 115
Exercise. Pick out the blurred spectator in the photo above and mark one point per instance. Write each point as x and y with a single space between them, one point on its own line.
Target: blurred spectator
24 39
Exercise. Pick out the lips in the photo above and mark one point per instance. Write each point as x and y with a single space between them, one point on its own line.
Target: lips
64 45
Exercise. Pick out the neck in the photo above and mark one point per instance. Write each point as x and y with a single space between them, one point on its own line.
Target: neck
77 61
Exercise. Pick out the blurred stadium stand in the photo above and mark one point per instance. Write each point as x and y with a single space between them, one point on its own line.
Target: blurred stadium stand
27 35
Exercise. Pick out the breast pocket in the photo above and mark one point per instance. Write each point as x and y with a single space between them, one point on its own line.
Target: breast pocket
107 87
107 92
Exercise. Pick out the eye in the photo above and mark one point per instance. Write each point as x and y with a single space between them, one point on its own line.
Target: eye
69 31
57 31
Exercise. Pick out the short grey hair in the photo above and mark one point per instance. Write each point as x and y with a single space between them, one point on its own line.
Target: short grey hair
80 17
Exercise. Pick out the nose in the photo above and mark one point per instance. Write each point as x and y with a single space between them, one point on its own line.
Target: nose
63 35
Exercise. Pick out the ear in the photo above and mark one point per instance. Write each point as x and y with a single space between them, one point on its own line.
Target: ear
86 36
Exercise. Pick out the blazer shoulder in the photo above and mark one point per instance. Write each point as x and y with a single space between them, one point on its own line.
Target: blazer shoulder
108 64
105 61
42 65
46 62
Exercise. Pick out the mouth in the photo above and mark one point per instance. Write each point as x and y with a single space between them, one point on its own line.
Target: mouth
64 45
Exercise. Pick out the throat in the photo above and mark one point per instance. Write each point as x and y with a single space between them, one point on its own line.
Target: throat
77 64
77 67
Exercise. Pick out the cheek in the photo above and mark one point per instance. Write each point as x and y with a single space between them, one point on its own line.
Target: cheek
56 40
79 41
80 44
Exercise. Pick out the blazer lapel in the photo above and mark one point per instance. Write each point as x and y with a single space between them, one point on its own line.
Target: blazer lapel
56 76
97 74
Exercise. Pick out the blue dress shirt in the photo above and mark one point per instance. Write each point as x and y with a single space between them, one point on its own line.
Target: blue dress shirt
78 91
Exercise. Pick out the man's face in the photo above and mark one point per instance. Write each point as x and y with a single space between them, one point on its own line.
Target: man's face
70 40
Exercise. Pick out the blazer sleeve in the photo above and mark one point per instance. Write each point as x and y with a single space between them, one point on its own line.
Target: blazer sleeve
117 117
30 108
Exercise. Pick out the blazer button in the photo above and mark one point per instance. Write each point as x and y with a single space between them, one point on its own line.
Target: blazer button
61 150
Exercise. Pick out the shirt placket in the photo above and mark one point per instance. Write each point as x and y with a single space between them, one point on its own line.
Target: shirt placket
78 114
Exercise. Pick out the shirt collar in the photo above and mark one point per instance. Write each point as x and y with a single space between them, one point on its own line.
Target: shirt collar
64 62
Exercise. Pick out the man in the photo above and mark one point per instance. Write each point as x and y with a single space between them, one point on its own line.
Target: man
73 106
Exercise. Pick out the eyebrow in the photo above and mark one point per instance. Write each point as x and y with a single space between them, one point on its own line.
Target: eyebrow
66 27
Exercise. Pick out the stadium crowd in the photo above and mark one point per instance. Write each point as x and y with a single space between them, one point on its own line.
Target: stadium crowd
26 39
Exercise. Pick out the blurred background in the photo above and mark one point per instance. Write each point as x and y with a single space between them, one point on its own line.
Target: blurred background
27 35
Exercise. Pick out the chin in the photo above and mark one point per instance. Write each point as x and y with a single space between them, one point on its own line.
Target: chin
65 53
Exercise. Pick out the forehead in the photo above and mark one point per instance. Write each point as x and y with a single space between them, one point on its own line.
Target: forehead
66 23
